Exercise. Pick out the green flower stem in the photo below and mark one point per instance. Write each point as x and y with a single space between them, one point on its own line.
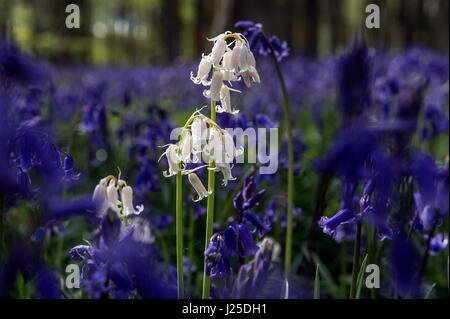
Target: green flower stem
209 212
290 179
356 257
179 231
191 237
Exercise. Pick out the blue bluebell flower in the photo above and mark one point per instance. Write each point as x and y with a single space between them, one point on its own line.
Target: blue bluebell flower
147 178
96 285
252 276
162 221
19 68
218 255
348 155
438 242
247 198
405 263
331 225
47 285
81 252
354 75
259 42
68 167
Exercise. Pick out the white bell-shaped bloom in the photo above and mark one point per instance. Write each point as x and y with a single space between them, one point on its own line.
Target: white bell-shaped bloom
100 199
225 169
216 86
218 50
250 58
252 67
227 62
113 196
214 150
142 231
199 132
204 68
186 145
254 74
236 55
127 202
248 70
198 186
225 101
231 152
173 159
243 57
229 69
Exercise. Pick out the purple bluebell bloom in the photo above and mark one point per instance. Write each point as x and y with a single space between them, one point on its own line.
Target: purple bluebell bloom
353 80
48 285
252 276
438 242
259 42
68 167
218 255
405 263
162 221
96 284
349 154
81 252
18 67
147 178
330 225
247 198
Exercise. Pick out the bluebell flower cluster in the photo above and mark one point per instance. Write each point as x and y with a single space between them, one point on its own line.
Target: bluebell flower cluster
236 243
259 42
121 261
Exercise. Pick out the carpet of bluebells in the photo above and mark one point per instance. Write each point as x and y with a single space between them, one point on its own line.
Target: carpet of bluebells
370 155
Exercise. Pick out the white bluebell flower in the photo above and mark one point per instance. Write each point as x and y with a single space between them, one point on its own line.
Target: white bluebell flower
128 209
198 186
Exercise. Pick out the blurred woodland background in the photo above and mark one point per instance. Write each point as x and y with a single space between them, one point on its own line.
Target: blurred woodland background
161 31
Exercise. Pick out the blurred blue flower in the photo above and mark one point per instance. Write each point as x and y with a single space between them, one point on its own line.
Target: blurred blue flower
259 42
18 67
218 254
438 242
405 263
354 75
248 198
147 177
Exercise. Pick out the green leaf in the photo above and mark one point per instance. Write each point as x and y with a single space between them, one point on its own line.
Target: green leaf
329 282
427 295
360 279
317 284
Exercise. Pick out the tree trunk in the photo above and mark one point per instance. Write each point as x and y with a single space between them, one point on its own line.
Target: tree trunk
171 28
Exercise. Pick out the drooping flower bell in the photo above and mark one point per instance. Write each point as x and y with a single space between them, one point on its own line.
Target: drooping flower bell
127 202
198 186
114 194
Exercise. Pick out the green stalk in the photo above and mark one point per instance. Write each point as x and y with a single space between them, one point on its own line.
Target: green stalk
356 257
191 247
317 284
179 231
290 179
209 212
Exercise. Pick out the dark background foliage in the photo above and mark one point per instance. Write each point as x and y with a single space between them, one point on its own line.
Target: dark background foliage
148 31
